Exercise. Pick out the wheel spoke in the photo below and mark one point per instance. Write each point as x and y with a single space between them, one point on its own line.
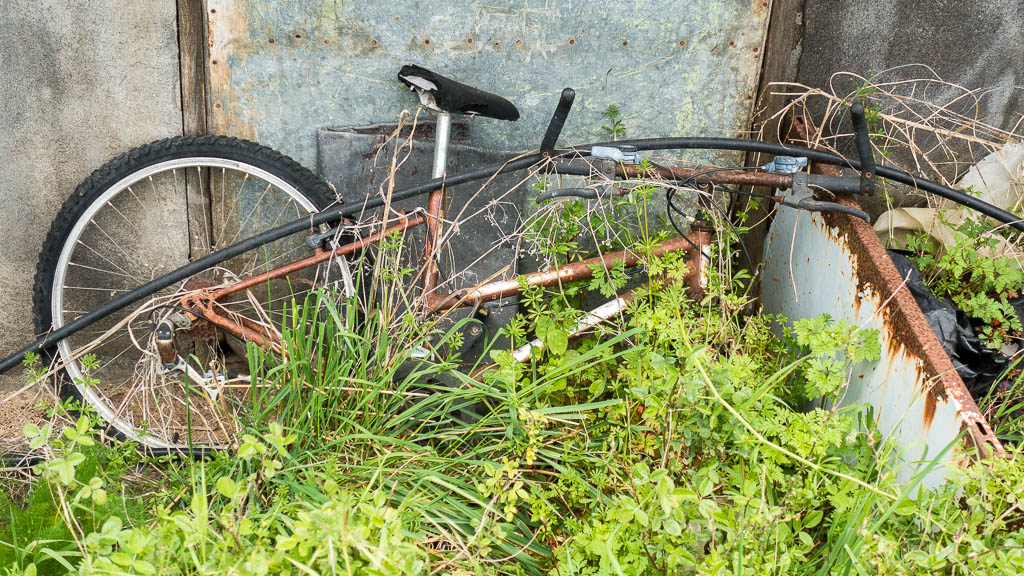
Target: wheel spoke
129 233
255 206
107 260
104 270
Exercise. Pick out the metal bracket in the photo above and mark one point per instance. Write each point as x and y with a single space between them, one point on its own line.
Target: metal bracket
802 197
624 155
316 241
212 383
785 165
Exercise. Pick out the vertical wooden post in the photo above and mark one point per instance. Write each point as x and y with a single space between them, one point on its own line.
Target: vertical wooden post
192 62
192 32
780 63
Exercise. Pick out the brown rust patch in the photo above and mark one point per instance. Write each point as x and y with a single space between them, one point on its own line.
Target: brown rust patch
929 410
911 333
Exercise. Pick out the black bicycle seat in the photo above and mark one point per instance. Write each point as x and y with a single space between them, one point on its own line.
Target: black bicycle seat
447 95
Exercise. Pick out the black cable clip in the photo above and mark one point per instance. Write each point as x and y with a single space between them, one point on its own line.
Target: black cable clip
802 197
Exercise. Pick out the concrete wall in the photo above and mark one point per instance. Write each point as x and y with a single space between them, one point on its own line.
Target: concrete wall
976 44
80 82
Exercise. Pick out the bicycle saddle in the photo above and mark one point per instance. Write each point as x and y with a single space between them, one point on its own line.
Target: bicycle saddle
447 95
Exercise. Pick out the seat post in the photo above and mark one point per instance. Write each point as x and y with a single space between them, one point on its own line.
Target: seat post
435 206
444 127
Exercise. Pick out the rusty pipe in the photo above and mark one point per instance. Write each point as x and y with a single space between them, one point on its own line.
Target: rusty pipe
581 270
735 177
696 277
435 211
287 269
258 337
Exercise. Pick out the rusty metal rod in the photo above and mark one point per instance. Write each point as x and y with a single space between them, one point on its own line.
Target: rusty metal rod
734 177
317 258
435 212
568 273
258 337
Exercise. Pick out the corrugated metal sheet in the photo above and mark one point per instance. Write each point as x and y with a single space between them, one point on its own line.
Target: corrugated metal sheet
281 70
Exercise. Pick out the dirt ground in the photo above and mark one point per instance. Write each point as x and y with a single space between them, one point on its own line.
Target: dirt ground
19 406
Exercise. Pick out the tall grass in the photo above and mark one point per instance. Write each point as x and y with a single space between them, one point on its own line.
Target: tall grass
366 410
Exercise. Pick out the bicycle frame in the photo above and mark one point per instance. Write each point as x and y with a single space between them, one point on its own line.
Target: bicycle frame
334 215
203 302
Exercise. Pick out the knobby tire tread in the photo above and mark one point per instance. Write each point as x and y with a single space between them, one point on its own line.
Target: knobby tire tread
309 184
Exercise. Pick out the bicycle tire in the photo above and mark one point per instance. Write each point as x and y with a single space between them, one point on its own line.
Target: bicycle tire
85 256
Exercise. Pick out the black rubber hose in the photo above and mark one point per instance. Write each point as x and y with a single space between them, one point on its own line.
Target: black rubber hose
335 214
994 212
327 216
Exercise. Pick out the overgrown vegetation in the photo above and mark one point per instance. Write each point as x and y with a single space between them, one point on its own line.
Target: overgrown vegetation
976 281
684 436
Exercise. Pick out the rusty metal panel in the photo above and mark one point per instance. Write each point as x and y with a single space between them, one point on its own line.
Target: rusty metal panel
834 264
281 70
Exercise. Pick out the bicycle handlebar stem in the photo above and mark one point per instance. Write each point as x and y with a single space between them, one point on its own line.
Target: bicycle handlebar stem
864 152
547 145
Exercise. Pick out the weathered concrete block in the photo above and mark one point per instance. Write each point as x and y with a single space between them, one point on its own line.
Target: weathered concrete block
83 82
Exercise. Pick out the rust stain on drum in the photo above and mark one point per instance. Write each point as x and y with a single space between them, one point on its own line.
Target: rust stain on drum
900 313
929 410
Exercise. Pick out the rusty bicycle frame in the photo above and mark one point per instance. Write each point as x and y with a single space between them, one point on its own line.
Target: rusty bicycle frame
804 186
203 302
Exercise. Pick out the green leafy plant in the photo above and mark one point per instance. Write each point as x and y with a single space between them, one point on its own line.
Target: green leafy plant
977 283
615 127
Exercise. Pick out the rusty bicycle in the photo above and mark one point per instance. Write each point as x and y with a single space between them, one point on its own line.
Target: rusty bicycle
147 295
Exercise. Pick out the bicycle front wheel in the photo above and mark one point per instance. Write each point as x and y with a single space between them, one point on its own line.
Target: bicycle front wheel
143 215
